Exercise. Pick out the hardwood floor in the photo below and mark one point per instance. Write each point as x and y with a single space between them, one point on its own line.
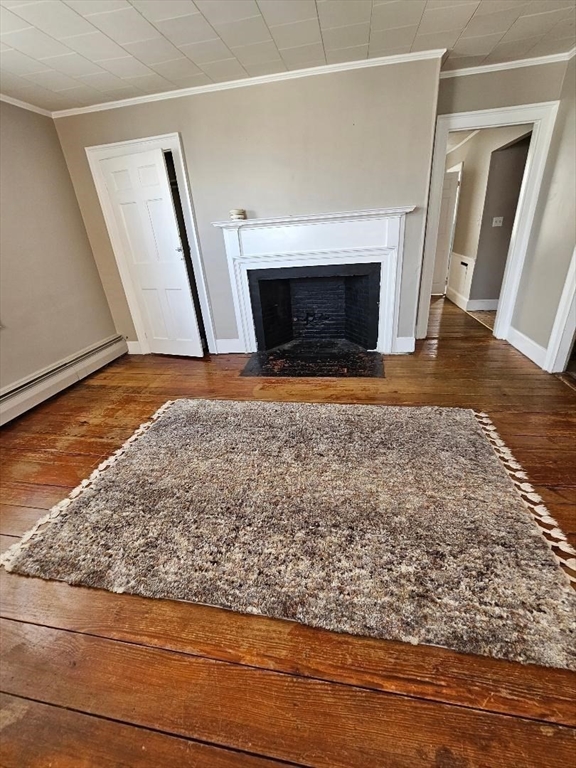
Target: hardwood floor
96 679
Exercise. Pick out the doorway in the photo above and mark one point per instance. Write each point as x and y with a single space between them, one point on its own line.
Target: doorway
143 190
542 118
482 184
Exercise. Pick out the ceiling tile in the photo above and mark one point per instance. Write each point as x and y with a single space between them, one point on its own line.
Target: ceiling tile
54 18
126 92
268 68
127 66
490 23
103 81
86 7
95 46
476 46
153 51
174 70
389 52
462 62
244 32
20 64
346 37
538 24
303 54
228 69
548 47
149 83
296 33
446 19
338 13
498 6
354 53
259 53
436 4
125 26
539 6
34 43
187 29
307 65
157 10
435 41
72 64
192 81
9 22
52 80
392 38
562 30
227 11
515 49
397 14
210 50
280 12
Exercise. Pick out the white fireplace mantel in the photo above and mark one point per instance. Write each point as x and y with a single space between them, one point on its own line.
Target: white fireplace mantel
351 237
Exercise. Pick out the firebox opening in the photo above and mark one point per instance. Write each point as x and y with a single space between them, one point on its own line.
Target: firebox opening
338 303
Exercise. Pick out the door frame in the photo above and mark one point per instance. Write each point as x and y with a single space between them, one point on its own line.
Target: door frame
564 328
168 142
458 168
542 117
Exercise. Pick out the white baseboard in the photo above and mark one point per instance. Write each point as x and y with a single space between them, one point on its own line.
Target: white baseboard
530 348
33 390
404 345
229 346
457 298
134 348
477 305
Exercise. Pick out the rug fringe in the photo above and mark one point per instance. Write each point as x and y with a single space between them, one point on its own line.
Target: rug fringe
562 551
8 557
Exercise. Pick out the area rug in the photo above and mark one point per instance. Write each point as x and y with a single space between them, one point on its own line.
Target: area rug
413 524
485 316
316 357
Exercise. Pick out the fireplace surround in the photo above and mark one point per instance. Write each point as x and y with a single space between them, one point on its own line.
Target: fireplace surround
359 248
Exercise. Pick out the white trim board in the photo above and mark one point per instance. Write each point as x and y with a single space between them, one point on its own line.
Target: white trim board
229 346
33 390
542 117
517 64
25 105
564 328
324 69
456 298
171 142
529 348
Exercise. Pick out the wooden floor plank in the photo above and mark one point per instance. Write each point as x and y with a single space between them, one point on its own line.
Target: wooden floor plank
293 692
35 734
433 673
278 716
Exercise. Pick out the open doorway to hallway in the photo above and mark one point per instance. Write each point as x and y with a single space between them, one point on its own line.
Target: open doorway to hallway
484 171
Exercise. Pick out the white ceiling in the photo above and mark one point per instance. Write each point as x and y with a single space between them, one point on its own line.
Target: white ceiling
59 54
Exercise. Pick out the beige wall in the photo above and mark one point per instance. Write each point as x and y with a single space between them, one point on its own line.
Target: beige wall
341 141
52 301
475 154
554 232
504 88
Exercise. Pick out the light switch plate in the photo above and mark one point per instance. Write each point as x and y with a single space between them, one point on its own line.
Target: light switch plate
497 221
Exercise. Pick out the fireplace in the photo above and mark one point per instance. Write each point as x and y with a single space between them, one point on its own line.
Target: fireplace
320 303
317 277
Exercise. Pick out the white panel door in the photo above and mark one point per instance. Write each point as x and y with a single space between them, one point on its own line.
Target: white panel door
140 195
445 232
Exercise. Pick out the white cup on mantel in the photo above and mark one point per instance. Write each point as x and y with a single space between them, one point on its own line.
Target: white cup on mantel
237 213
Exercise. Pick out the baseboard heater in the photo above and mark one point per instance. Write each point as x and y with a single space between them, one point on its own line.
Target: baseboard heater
33 390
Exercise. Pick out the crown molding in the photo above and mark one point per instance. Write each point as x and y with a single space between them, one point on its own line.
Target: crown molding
461 144
24 105
277 77
537 61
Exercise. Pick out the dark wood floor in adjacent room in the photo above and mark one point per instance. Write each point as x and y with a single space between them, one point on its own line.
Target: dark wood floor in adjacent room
94 679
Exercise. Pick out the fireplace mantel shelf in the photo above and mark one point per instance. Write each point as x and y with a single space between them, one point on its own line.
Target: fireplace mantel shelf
315 218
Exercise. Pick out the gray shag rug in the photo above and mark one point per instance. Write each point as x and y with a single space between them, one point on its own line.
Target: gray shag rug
394 522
